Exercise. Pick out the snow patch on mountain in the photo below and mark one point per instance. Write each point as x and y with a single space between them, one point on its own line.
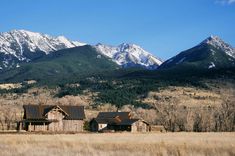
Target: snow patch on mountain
129 55
212 65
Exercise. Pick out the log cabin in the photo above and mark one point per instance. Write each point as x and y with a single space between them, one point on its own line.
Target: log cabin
117 121
54 118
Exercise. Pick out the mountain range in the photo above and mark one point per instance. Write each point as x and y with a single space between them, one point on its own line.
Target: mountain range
129 55
29 55
19 46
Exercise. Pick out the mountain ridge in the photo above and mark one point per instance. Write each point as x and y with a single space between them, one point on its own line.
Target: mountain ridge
129 55
218 43
60 66
212 52
19 46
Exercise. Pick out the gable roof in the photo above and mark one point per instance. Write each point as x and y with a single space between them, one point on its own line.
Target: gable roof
115 118
105 120
128 121
39 111
56 106
115 121
120 115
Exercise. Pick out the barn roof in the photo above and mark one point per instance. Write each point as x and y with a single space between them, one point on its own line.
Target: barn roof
39 111
105 120
114 121
120 115
115 118
128 121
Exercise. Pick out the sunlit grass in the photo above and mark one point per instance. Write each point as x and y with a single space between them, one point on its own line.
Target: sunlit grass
182 144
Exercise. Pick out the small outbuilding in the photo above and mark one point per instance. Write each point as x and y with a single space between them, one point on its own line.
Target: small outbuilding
53 118
117 121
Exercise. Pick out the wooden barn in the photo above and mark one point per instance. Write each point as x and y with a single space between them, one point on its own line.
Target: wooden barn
53 118
117 121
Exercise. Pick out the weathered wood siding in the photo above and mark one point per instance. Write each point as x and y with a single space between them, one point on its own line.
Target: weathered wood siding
58 124
67 126
139 126
56 116
73 125
53 118
37 128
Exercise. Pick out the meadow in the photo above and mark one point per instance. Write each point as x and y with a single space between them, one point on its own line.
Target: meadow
115 144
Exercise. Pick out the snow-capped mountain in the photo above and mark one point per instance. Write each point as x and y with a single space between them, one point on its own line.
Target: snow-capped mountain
24 46
21 45
213 52
129 55
219 44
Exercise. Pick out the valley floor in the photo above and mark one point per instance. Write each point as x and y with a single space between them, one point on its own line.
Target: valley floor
112 144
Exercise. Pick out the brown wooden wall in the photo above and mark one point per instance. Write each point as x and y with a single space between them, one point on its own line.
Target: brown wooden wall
66 126
73 125
139 126
37 128
58 116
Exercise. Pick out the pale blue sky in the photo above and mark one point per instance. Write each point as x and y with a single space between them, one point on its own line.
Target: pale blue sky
160 26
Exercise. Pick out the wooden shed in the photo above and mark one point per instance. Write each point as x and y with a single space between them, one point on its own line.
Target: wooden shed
117 121
53 118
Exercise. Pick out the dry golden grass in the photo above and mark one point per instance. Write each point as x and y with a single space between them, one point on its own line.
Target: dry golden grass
187 96
10 85
162 144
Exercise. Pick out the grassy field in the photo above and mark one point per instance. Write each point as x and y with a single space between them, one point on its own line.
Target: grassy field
162 144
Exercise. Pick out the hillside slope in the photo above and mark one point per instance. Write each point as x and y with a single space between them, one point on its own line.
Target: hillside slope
19 46
211 53
61 65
